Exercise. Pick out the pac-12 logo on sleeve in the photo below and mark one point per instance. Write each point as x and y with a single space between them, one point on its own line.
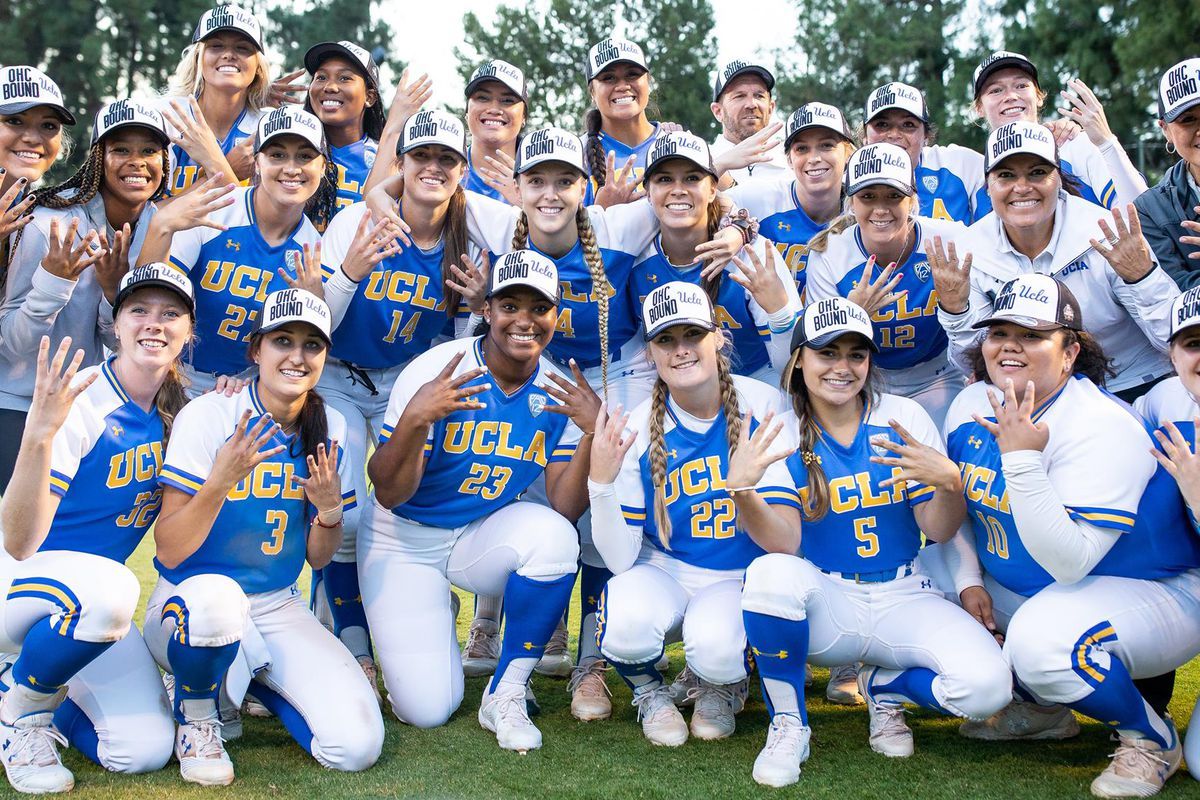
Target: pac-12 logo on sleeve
537 404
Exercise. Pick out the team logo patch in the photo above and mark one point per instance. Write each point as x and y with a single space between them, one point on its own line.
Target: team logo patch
930 182
879 449
922 270
369 158
537 404
294 259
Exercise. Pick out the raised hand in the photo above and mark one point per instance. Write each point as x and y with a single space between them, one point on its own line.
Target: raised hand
1180 458
191 132
916 461
951 280
308 272
284 87
875 293
113 265
14 213
1063 131
323 486
193 209
1014 427
249 446
579 401
1124 247
749 462
445 394
1085 110
63 259
470 282
619 187
754 149
610 444
760 279
371 245
53 394
498 173
409 97
228 385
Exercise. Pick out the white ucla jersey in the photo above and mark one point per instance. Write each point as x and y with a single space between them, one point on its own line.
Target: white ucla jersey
867 528
907 331
104 464
746 323
232 272
1168 401
949 179
184 170
479 460
622 232
260 535
1099 465
704 529
774 203
394 313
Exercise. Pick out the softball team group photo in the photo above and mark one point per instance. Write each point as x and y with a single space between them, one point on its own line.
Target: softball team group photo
818 393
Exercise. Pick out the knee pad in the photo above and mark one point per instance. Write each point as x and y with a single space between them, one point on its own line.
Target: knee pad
779 584
210 610
627 637
98 592
422 711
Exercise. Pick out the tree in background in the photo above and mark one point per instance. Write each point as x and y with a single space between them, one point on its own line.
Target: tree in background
291 30
550 40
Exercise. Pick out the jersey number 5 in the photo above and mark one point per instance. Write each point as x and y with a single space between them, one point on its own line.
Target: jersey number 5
865 533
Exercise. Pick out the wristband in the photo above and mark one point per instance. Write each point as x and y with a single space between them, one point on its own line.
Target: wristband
735 490
319 523
747 225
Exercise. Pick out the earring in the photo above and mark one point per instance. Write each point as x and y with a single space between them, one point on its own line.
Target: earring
1170 147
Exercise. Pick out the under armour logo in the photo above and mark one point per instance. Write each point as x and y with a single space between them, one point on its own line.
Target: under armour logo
117 430
528 645
926 584
652 278
337 601
974 441
672 453
230 244
784 226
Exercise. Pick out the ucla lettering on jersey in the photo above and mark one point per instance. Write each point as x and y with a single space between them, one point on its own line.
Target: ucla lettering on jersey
104 466
1156 539
477 461
260 535
867 528
233 271
353 164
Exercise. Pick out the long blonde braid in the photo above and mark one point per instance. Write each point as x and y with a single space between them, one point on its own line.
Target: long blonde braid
520 238
601 288
658 461
729 403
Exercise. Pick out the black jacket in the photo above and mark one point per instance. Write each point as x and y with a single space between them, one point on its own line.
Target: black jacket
1161 208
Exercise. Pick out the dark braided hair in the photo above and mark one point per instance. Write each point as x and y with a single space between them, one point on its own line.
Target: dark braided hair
323 204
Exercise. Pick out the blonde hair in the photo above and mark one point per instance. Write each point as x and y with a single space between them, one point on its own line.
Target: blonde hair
820 240
188 80
657 452
601 288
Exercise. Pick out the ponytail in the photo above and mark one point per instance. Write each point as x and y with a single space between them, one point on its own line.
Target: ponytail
454 244
712 286
601 288
593 151
658 461
313 424
169 398
820 241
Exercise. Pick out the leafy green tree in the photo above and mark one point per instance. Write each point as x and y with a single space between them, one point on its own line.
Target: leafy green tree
293 30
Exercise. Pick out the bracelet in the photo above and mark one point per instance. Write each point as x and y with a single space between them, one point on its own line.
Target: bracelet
747 225
319 523
734 490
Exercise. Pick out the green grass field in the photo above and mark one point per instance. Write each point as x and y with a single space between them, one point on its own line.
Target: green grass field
612 760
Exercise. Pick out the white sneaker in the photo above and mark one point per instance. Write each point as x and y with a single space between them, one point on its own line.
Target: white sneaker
231 718
1139 768
590 695
685 683
201 753
532 706
556 661
843 686
890 734
372 674
503 713
778 764
661 721
716 706
482 649
29 750
253 707
1024 721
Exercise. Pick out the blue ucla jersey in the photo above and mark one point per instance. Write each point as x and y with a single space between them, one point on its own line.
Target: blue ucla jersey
1080 159
704 529
472 181
233 271
621 232
104 466
742 319
949 179
353 164
640 153
867 528
480 460
1099 464
1170 401
260 535
907 331
394 313
184 170
781 218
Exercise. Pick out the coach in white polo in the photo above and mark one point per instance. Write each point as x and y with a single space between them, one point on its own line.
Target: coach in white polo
743 104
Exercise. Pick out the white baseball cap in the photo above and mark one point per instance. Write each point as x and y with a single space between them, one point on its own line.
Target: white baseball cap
676 303
607 52
815 115
1037 302
525 268
1179 89
728 71
1002 59
547 145
679 144
1185 312
296 305
877 164
827 320
319 53
1016 138
155 274
24 87
502 72
229 18
896 95
433 127
290 120
127 114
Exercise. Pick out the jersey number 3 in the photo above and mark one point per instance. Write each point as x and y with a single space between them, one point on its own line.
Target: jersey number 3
272 546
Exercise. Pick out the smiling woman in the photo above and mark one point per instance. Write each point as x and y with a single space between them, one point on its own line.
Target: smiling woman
97 218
